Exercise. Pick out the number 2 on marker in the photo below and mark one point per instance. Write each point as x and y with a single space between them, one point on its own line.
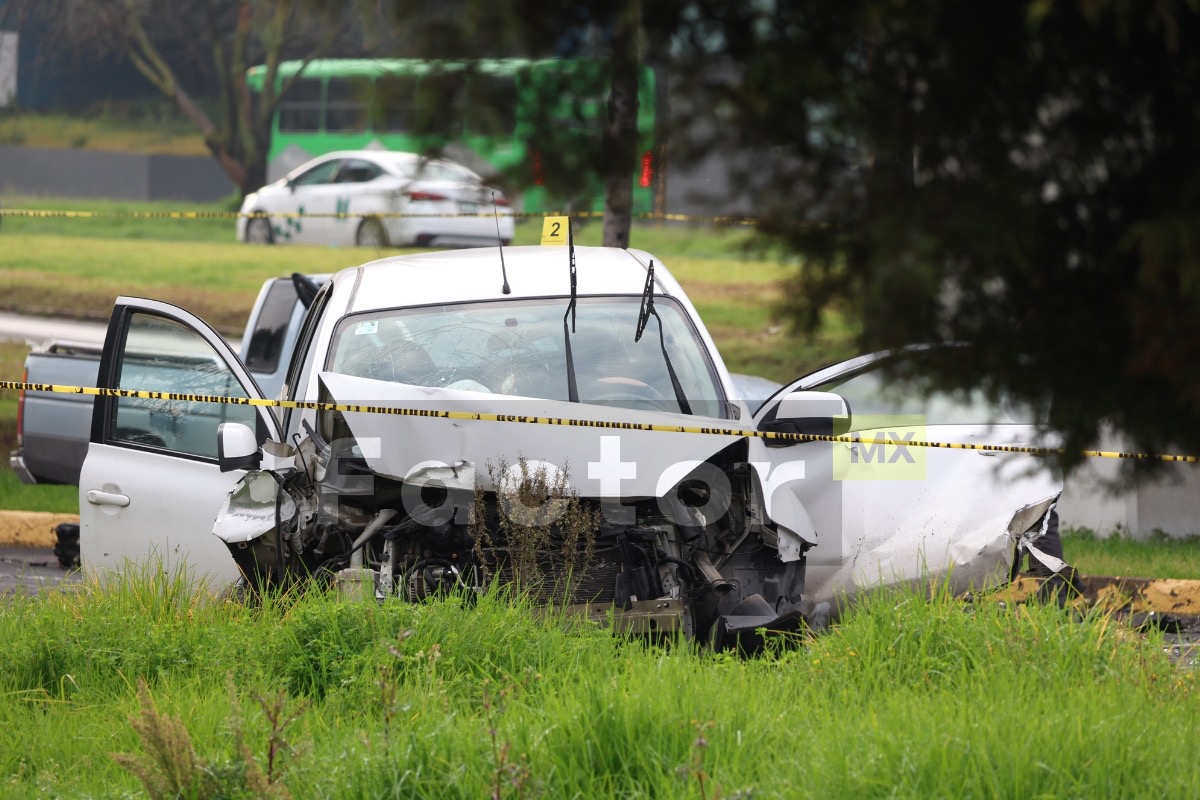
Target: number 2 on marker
554 230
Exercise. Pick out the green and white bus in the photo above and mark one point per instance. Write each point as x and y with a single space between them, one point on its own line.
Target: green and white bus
485 114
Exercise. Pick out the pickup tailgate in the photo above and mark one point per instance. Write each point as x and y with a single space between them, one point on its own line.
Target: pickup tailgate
55 427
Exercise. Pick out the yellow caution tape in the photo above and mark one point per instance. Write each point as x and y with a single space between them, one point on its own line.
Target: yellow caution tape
575 423
650 216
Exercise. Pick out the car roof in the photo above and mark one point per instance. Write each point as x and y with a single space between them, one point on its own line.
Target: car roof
373 154
396 156
458 276
391 158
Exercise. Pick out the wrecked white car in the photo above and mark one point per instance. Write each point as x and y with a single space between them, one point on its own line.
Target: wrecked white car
502 429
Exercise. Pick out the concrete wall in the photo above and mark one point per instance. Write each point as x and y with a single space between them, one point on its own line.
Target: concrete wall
118 176
1170 503
8 68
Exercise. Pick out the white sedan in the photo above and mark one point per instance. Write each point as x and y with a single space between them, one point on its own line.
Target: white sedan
364 197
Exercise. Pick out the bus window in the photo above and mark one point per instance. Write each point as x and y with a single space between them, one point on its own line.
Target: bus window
439 104
490 105
346 104
300 108
392 103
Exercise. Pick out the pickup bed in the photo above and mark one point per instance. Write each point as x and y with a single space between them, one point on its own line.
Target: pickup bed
52 448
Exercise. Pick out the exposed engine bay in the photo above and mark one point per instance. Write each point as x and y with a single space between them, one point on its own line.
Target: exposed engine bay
663 564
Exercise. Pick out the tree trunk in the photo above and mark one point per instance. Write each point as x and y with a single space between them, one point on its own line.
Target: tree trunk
620 135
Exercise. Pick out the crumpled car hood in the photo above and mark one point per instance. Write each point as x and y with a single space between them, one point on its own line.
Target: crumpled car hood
604 463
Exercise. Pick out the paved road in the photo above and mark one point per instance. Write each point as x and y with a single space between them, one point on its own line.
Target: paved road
31 570
20 328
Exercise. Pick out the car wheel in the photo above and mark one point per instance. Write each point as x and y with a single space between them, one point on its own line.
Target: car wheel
258 231
371 234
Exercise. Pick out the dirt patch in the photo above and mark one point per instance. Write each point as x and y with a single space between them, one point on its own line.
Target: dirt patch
1173 596
31 528
1161 595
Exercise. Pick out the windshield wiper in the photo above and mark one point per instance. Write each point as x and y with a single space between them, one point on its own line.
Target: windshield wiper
572 389
644 314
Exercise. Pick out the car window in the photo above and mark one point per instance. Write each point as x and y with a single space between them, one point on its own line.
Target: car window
403 166
356 170
874 391
444 171
164 356
266 341
518 348
322 173
301 352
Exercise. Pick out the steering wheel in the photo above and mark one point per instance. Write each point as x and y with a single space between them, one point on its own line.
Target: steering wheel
625 392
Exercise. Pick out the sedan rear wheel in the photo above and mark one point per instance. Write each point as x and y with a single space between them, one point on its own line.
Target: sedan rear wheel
371 234
258 231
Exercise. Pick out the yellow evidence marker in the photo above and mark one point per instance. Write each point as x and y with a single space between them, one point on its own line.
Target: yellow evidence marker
554 230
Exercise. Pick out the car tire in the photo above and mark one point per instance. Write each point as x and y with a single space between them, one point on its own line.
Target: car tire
371 233
66 547
258 231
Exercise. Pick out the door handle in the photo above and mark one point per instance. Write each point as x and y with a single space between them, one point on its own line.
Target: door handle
98 498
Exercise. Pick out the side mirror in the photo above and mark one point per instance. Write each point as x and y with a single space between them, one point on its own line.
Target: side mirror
237 447
818 413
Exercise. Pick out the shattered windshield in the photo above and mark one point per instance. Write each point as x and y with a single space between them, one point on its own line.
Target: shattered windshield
518 348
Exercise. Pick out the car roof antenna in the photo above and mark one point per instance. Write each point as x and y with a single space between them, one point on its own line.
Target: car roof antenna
500 243
572 387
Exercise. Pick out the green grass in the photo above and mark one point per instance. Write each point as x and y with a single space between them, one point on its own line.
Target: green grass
110 224
147 130
15 495
114 219
1157 557
906 698
218 281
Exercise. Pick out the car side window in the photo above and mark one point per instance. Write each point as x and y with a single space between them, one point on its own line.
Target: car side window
355 170
321 173
300 352
161 355
441 171
270 331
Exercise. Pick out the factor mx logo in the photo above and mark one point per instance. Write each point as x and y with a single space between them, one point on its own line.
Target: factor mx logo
882 450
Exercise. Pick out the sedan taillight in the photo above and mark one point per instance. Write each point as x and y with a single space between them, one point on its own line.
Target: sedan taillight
503 202
430 196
